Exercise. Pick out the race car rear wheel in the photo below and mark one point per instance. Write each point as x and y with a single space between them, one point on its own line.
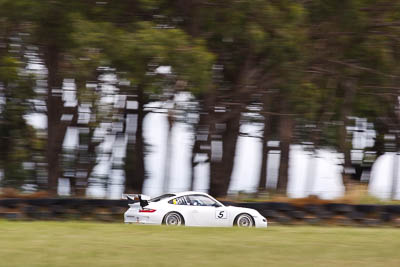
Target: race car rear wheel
173 219
244 220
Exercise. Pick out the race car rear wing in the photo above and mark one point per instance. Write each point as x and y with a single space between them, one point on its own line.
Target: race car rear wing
134 198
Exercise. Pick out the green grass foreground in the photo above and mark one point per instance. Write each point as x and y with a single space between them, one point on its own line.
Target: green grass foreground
102 244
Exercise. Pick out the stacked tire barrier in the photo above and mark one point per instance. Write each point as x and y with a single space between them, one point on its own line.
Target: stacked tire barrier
63 209
275 212
332 213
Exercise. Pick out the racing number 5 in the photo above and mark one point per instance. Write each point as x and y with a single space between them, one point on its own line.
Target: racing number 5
221 214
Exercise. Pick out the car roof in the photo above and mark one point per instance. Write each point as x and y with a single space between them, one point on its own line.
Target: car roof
179 194
190 193
184 193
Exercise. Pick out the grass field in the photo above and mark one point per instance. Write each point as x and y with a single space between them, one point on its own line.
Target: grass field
101 244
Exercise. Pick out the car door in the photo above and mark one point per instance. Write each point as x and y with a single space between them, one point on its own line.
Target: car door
202 215
207 212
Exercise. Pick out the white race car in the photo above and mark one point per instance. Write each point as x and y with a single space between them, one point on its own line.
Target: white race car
190 209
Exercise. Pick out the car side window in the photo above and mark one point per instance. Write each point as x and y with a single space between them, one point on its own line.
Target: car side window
179 201
201 200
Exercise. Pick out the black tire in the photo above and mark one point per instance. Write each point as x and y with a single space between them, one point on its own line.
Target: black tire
173 218
244 220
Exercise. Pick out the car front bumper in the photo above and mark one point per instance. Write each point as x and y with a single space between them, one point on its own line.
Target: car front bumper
260 222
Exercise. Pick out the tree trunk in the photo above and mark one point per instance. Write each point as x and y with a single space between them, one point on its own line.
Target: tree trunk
265 149
221 169
345 144
193 164
286 136
134 162
201 136
263 173
285 133
55 133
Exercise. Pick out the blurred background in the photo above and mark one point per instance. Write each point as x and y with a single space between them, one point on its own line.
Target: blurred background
252 97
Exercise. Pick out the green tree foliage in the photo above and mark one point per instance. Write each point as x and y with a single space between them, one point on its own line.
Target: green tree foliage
308 65
17 139
145 46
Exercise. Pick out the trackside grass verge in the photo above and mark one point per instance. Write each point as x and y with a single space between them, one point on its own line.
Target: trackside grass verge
102 244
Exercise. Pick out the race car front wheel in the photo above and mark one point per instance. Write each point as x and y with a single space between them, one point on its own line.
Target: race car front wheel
244 220
173 219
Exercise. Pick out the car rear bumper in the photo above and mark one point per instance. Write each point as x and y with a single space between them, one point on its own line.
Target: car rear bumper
133 216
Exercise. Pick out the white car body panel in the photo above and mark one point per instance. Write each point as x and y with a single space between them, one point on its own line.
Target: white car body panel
222 216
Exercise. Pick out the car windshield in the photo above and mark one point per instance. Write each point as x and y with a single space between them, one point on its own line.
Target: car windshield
156 199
